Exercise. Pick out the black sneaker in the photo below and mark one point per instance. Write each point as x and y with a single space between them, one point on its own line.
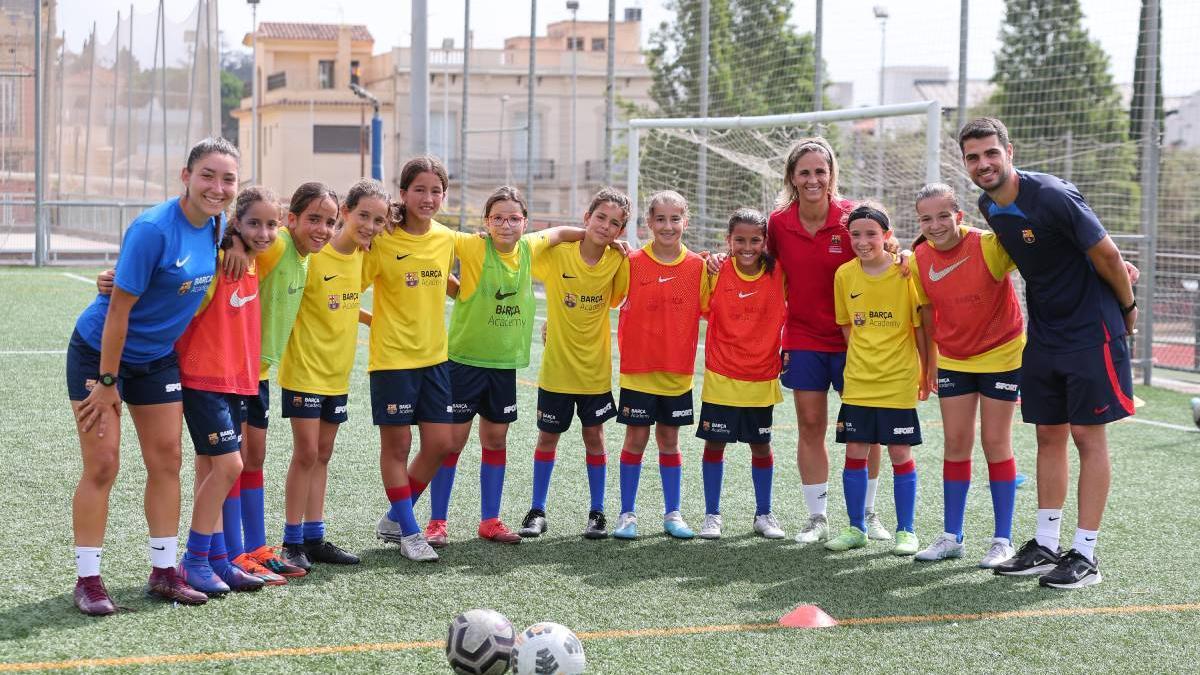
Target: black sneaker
1032 558
597 527
1073 571
534 524
294 554
322 551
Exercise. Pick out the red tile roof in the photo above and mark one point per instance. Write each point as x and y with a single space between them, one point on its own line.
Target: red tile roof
311 31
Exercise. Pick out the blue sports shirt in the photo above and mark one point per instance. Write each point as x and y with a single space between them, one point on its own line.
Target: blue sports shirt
168 263
1047 232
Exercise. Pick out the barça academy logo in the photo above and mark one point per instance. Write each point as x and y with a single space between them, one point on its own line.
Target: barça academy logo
1027 235
213 438
335 301
570 300
411 279
860 318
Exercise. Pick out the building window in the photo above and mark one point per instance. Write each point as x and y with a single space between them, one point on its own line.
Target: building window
338 138
10 107
597 44
443 134
276 81
355 73
325 74
574 44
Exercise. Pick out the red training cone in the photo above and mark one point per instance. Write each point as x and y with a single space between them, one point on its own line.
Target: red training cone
807 616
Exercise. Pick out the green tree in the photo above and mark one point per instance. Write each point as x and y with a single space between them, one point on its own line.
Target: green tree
1055 93
758 65
232 90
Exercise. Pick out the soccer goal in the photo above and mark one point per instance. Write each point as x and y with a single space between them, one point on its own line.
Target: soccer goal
722 163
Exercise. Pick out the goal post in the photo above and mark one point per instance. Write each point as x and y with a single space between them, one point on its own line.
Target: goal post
754 149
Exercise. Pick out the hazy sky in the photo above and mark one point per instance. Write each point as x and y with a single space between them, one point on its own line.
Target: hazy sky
923 32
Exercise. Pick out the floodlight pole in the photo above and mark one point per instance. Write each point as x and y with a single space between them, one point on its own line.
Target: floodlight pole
573 195
254 92
881 13
39 132
1149 175
419 77
818 99
610 91
462 144
702 156
529 114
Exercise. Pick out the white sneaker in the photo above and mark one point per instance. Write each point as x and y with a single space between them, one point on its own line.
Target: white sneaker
1000 551
815 530
944 546
711 529
414 547
767 526
875 528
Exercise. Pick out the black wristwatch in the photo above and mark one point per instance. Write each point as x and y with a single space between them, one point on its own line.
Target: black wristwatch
107 379
1126 310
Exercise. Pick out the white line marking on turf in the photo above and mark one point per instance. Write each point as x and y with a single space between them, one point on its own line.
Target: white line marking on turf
1165 425
76 277
23 352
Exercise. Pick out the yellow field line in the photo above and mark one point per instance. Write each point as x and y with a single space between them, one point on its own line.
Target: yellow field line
168 659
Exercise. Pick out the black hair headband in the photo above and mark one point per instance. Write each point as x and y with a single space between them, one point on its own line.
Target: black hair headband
870 213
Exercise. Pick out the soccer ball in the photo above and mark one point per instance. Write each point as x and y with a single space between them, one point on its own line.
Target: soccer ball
480 642
547 649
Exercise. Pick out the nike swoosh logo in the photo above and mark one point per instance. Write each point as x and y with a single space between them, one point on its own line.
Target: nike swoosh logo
1052 518
1089 539
568 276
501 296
159 548
402 257
663 280
823 495
1101 411
746 295
292 289
235 301
181 263
854 295
330 276
937 275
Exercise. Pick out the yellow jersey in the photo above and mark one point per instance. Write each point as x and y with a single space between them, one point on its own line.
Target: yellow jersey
409 273
320 351
883 367
578 354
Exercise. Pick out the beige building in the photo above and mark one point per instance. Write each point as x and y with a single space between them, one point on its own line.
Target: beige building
309 116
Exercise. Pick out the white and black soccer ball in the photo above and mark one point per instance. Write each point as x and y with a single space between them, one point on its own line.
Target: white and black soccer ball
480 642
548 649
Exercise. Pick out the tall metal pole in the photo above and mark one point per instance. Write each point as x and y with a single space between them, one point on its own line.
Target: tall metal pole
462 125
162 25
573 195
39 225
881 14
214 69
610 90
254 85
112 143
961 117
187 133
129 111
1149 171
419 77
818 98
530 116
702 157
87 132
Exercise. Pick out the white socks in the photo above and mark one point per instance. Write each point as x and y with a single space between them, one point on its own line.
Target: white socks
1085 542
816 496
1049 526
87 561
163 551
872 486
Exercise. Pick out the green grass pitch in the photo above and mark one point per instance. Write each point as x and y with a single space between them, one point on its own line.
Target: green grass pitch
1148 551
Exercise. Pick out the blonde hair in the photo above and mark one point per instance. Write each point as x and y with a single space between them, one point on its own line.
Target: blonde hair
664 197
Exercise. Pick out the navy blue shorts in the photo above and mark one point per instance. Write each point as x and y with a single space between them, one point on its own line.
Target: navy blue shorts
806 370
330 409
489 392
554 410
406 396
1092 386
258 406
138 383
214 421
730 424
1004 386
885 426
639 409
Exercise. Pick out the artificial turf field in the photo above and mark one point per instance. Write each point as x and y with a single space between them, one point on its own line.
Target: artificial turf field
654 605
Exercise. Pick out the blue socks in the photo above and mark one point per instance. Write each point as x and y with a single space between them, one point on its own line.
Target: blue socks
543 467
441 486
254 523
314 530
1002 478
218 557
293 533
631 475
904 488
491 482
854 485
712 470
401 510
956 482
198 545
231 517
762 474
597 471
670 469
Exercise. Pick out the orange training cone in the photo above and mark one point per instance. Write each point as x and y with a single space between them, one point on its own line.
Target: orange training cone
807 616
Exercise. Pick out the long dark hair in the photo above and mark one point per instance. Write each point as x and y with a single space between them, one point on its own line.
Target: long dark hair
246 198
753 217
306 193
413 168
